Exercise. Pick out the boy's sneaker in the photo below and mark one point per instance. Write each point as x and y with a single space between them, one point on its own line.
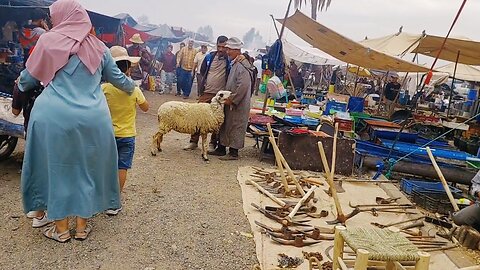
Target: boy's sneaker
32 214
40 222
113 212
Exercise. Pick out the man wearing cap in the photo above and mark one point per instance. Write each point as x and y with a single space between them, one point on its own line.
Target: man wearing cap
123 112
237 106
197 62
214 70
185 59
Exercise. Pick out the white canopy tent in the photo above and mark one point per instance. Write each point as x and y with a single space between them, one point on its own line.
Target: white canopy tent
463 72
309 55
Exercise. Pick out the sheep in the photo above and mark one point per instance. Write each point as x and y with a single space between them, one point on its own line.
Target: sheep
190 118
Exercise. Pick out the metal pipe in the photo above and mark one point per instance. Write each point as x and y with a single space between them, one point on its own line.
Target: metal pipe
456 175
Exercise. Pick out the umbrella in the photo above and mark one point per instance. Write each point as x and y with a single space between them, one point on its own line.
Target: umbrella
362 72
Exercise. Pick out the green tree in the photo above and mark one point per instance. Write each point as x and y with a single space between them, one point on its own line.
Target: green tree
316 5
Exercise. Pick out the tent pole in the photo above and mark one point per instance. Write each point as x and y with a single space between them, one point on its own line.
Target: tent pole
280 38
356 80
345 81
285 20
275 25
453 81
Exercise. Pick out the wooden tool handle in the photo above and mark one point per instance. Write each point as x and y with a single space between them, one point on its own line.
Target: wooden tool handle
268 194
301 202
280 168
442 179
283 160
332 172
326 168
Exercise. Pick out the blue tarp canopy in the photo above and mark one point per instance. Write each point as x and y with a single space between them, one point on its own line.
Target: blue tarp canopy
157 31
27 3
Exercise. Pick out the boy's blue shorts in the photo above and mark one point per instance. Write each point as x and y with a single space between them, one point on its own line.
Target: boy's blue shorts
125 149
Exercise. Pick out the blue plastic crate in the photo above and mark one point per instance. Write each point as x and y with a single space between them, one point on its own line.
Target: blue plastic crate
334 106
409 185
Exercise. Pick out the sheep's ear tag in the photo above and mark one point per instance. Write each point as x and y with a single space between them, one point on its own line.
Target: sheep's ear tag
221 95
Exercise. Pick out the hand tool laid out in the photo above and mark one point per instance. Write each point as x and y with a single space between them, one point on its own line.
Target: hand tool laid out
285 229
280 220
406 206
341 218
395 223
268 194
302 201
439 222
417 224
297 242
281 161
286 206
375 211
315 235
308 211
380 200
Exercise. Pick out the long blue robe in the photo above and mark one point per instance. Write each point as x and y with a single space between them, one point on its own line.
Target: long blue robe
70 162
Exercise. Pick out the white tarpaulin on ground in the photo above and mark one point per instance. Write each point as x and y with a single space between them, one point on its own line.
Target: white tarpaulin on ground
358 193
463 72
308 55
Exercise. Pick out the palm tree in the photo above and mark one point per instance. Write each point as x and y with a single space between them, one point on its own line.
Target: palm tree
316 5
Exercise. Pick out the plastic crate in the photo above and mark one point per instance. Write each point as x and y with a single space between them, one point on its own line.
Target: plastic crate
344 124
334 106
434 202
409 186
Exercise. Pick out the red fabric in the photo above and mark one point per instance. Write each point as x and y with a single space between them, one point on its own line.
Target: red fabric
108 38
130 31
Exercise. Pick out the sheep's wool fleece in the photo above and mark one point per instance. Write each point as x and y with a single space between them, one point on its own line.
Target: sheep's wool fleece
189 117
232 132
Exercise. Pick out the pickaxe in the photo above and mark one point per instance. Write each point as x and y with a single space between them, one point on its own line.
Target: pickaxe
280 220
395 223
341 218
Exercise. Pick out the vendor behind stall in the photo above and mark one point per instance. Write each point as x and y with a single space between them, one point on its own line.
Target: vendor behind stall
392 88
391 91
471 215
32 32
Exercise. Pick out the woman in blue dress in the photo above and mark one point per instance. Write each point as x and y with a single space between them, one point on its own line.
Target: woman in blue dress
70 163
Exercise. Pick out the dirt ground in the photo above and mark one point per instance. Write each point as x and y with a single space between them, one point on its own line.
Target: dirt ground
179 213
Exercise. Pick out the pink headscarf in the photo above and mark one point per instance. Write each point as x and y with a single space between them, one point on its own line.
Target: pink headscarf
70 35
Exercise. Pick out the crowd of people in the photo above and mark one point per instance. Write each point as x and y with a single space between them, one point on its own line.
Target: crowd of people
88 129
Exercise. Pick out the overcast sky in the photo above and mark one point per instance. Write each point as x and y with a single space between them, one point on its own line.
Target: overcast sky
353 18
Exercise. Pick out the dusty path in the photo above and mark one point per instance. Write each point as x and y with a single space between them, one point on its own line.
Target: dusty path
179 213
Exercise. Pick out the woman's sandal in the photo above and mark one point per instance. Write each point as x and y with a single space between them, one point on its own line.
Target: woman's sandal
51 233
80 236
